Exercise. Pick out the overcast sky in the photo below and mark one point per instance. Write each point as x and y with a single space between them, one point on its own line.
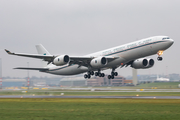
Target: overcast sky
80 27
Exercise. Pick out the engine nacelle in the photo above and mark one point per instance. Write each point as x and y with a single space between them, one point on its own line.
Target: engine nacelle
61 60
98 62
142 63
150 63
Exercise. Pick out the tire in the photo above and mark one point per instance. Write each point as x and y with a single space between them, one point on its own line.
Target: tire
159 58
103 74
96 74
112 73
89 76
100 74
85 76
109 76
115 74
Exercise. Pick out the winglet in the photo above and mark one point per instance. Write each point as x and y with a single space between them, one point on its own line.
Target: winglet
8 51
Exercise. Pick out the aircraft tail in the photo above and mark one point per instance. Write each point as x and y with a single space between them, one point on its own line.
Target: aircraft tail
42 51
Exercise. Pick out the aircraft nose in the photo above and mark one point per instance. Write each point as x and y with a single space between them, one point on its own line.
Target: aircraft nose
171 41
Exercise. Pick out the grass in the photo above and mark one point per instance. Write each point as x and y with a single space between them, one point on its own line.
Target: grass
160 85
88 109
94 93
85 93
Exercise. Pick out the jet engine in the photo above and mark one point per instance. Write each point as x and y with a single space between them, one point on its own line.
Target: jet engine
98 62
150 63
61 60
142 63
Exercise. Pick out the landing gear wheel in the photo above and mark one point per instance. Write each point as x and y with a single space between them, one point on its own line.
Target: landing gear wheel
103 74
96 74
159 58
92 72
100 74
112 73
89 76
109 76
85 76
115 74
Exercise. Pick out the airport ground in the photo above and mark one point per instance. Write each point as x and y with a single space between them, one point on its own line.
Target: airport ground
79 108
88 93
150 89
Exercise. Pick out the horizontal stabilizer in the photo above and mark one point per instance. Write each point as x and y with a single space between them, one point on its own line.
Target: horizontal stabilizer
27 68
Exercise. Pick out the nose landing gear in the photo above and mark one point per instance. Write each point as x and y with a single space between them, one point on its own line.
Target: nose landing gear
159 58
160 52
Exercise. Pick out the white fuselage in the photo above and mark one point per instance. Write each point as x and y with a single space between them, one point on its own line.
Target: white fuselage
125 54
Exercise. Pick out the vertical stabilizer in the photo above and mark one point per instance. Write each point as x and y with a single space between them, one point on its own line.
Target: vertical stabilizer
42 51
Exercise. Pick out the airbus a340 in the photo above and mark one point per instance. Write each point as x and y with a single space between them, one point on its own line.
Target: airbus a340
131 54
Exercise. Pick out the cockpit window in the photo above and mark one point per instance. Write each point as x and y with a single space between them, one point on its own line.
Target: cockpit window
165 38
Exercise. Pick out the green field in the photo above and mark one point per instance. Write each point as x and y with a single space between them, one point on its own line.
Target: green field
89 109
160 85
85 93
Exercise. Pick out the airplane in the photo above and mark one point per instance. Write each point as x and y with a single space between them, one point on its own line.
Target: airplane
161 79
131 54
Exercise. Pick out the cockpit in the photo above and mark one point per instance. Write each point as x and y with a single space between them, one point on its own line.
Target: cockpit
165 38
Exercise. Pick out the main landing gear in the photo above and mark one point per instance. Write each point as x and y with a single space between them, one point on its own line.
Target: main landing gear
159 54
112 74
99 74
88 75
91 73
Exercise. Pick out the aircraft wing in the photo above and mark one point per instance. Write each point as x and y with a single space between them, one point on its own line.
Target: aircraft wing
48 58
80 60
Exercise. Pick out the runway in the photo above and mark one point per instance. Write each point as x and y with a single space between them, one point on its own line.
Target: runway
93 97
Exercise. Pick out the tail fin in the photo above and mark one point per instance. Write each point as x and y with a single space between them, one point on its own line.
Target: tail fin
42 51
